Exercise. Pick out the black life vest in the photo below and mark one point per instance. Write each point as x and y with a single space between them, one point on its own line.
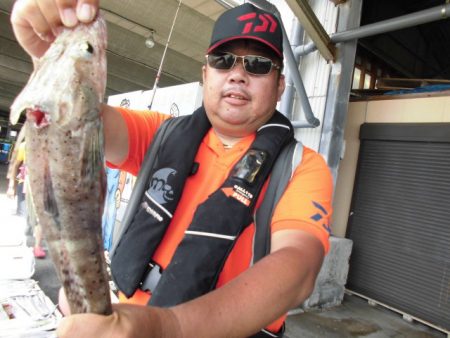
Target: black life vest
217 223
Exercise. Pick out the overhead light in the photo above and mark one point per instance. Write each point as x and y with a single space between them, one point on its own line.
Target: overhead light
150 41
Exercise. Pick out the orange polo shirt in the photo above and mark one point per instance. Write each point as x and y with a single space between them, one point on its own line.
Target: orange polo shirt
305 205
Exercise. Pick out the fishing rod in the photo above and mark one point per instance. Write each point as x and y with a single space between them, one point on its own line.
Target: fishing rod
158 75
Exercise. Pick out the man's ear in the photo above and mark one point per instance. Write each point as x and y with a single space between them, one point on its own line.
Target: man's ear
281 86
203 73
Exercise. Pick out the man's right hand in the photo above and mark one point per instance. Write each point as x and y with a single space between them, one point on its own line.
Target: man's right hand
36 23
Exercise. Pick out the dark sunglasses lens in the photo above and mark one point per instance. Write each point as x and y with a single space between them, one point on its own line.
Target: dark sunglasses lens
257 64
221 61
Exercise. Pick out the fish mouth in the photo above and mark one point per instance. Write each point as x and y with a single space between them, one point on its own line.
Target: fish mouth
38 117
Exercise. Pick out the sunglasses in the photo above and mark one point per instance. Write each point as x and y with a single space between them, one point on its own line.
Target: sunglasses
253 64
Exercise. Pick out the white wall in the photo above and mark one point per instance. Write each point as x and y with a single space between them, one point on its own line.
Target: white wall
315 72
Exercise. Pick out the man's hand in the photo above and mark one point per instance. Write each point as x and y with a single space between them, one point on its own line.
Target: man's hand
36 23
126 321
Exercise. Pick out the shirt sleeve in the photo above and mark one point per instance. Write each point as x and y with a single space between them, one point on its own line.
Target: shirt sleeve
307 201
142 126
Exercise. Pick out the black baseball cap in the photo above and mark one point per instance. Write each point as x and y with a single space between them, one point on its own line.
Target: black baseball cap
248 22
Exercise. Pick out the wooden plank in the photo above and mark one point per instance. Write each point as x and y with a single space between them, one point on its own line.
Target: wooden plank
401 83
362 97
313 28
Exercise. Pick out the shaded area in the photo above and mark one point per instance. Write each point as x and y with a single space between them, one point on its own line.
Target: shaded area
356 318
45 274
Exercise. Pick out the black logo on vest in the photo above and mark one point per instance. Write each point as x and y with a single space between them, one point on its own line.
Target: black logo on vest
160 192
160 189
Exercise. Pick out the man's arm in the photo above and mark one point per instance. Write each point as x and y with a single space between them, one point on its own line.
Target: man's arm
278 282
116 135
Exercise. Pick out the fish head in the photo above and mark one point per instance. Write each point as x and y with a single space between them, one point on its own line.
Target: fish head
68 80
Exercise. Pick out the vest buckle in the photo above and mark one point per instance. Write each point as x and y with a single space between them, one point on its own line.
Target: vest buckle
151 278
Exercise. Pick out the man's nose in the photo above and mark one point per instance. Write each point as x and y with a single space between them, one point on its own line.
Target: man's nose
238 73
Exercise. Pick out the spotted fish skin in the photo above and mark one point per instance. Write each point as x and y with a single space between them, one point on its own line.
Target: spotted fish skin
64 155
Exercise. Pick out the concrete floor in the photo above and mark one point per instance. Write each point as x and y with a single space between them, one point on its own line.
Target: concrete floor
356 318
353 318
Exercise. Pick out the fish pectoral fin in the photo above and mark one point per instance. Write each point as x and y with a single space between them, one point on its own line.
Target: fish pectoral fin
16 112
50 204
92 153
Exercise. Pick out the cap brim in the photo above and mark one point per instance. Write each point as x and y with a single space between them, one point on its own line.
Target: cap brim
246 37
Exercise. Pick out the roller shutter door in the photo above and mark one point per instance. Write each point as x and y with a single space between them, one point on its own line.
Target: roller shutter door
400 219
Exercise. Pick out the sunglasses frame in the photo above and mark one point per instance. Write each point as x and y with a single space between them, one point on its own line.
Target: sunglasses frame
273 65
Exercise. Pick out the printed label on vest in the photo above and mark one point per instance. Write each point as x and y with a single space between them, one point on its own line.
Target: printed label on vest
238 193
151 211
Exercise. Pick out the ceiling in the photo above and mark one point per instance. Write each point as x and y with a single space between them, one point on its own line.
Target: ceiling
418 52
131 66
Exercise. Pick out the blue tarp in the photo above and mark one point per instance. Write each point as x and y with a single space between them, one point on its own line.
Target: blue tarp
424 89
5 148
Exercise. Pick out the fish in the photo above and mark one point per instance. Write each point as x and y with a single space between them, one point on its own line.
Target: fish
65 162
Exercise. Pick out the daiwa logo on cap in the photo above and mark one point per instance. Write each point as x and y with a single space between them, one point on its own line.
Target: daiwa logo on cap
251 23
265 23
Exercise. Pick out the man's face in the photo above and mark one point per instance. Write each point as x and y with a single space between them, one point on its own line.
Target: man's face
238 103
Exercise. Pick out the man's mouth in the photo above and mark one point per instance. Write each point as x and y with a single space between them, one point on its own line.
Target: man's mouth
239 97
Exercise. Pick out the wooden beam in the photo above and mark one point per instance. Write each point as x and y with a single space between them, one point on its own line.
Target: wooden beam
313 28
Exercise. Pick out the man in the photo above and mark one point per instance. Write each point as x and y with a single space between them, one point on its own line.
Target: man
234 139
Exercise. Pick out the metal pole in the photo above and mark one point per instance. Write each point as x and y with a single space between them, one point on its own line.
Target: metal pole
338 91
404 21
292 66
298 83
158 75
286 105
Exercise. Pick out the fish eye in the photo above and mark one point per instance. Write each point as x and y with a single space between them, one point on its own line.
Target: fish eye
88 47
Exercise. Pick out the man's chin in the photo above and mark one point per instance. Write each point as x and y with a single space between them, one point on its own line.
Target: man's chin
233 117
237 130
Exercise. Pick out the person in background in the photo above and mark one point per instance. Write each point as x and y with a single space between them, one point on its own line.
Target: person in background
195 192
18 186
16 180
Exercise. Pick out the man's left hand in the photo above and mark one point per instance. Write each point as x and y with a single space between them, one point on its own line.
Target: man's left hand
126 321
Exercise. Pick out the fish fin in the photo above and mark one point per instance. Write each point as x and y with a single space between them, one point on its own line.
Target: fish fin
24 100
16 111
50 205
92 159
19 105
